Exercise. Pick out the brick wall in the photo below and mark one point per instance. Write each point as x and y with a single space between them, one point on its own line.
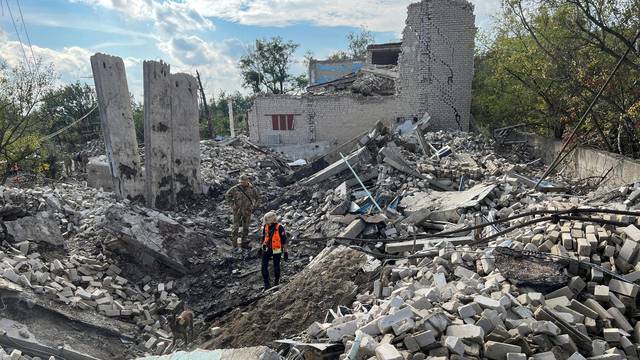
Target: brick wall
260 126
436 63
435 75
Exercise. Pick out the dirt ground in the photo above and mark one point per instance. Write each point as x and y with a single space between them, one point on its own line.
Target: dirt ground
333 278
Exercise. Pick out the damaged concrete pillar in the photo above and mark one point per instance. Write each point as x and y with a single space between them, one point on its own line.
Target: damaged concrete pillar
232 123
185 135
158 135
116 119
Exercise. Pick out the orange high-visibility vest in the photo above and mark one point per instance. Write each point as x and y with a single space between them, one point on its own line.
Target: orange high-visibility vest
276 243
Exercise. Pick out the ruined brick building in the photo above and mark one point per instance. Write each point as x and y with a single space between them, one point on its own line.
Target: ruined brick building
430 71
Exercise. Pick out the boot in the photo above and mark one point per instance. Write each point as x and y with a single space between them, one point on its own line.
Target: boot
267 286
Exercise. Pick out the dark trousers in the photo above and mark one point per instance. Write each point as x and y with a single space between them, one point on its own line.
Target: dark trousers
265 267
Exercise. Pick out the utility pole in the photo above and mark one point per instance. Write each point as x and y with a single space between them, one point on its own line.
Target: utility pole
232 122
206 108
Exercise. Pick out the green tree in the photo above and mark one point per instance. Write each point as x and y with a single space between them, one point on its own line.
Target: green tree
267 66
22 89
63 106
358 43
547 61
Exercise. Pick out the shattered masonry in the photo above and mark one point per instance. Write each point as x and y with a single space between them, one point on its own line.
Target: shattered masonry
433 73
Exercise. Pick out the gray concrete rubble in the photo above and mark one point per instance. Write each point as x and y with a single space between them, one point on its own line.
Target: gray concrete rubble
249 353
390 272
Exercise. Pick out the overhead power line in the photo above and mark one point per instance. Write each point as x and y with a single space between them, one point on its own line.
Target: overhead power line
26 33
24 53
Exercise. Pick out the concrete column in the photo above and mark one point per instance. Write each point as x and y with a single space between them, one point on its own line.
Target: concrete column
186 135
118 129
157 135
232 123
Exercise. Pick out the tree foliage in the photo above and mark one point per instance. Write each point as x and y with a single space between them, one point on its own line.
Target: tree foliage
267 66
64 105
358 43
219 110
548 59
22 90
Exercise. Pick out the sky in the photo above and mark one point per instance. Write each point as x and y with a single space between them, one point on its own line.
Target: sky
207 35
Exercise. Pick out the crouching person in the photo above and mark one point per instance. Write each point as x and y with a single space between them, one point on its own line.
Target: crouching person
274 244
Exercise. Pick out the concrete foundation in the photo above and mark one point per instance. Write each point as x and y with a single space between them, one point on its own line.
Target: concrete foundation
586 162
158 135
117 123
99 173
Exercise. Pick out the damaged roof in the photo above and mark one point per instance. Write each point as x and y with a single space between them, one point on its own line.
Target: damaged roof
369 81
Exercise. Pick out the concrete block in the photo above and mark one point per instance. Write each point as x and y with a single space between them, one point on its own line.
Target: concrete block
335 333
601 293
388 352
425 339
466 332
454 344
576 356
385 323
354 229
611 335
632 233
620 320
516 356
498 351
623 288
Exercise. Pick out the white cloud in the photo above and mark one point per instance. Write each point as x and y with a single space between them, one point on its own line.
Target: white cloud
377 15
167 17
217 63
71 63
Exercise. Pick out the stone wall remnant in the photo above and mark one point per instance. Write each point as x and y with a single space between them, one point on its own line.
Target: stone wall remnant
116 119
171 132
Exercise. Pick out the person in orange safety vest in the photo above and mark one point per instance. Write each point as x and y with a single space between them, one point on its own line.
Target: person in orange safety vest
274 244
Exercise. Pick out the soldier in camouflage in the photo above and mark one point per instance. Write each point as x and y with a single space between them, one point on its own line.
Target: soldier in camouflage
243 199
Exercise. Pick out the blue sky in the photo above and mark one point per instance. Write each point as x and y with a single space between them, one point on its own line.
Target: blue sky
208 35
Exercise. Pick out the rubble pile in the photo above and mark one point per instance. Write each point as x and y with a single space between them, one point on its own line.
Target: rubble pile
221 166
556 289
402 180
119 265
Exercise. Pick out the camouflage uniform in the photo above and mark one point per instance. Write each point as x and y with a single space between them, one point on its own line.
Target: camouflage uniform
243 199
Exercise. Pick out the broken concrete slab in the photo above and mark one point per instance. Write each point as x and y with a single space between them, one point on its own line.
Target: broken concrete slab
444 205
149 239
337 167
41 228
17 335
249 353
